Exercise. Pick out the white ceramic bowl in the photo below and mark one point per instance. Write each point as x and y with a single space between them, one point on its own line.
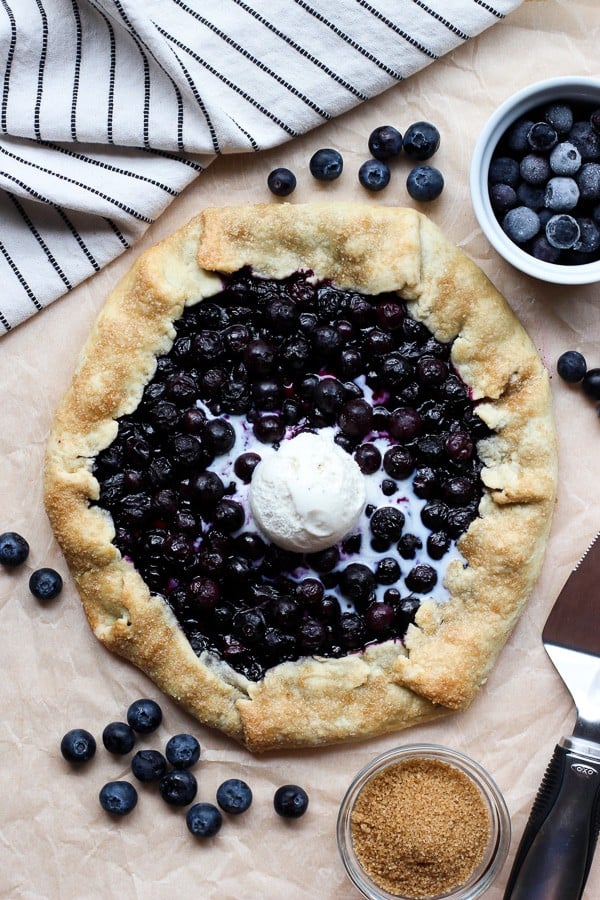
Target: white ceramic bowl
569 88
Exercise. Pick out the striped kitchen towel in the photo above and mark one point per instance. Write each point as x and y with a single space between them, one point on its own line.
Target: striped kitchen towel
111 107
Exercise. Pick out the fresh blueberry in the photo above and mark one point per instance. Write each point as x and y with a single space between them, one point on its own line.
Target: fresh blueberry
374 175
588 180
385 142
521 224
571 366
14 549
78 745
118 798
562 194
45 584
421 140
534 169
425 183
118 738
290 801
542 136
281 182
178 788
203 820
148 765
565 159
326 164
591 383
144 716
234 796
562 231
183 751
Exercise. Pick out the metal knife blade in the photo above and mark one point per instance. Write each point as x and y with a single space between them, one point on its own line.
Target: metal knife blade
557 847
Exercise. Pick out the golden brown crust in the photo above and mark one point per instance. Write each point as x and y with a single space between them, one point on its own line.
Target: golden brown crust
452 646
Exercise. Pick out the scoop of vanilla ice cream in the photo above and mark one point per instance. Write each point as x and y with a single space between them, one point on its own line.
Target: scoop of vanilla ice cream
308 494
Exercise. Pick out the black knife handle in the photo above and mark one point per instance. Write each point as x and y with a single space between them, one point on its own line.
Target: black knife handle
555 854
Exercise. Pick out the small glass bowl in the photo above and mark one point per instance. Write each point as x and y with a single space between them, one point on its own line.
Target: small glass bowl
570 88
499 839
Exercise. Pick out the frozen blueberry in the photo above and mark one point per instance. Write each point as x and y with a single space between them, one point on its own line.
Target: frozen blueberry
595 120
290 801
178 788
182 751
148 765
535 169
542 136
118 738
78 745
374 175
541 249
516 137
502 198
14 549
565 159
586 139
589 237
118 798
425 183
203 820
588 180
531 196
562 231
521 224
234 796
326 164
421 140
504 170
144 715
281 182
385 142
562 194
571 366
45 584
560 116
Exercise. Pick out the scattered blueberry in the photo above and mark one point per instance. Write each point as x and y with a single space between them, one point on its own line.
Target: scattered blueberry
118 738
281 182
521 224
326 164
374 175
290 801
591 383
178 788
148 765
182 751
571 366
14 549
385 142
421 140
425 183
234 796
78 745
118 798
562 231
203 820
45 584
144 715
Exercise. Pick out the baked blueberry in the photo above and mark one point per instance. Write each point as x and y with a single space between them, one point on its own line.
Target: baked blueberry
374 175
281 182
182 751
144 715
78 746
14 549
45 583
178 788
421 140
118 738
203 820
118 798
385 142
290 801
425 183
234 796
148 765
326 164
571 366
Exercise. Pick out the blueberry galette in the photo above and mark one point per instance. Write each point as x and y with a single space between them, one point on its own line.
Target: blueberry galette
305 471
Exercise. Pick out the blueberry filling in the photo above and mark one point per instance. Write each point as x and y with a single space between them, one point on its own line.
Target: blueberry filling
252 367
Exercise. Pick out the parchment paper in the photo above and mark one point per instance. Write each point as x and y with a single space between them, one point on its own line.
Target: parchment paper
55 841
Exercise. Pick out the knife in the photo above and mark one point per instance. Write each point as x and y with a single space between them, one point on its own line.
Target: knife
555 853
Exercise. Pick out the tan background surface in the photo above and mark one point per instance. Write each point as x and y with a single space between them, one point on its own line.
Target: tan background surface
55 842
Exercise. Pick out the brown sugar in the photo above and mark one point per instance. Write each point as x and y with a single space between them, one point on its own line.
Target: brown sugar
420 828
